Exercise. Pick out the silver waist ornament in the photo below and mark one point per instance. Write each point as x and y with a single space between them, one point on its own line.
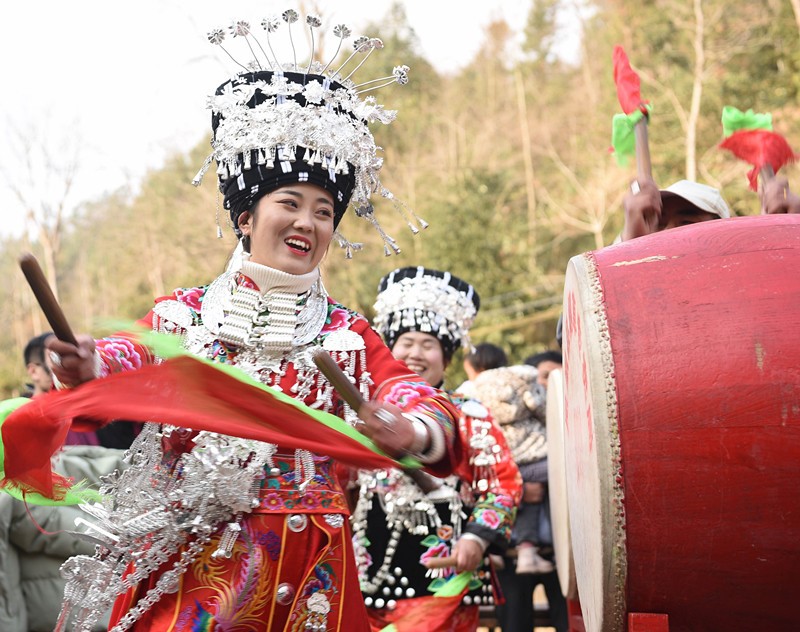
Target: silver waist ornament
152 511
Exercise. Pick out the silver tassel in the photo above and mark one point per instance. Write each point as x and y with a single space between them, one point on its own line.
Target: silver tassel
199 177
227 541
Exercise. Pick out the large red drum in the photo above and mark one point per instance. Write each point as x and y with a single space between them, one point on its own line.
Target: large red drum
682 426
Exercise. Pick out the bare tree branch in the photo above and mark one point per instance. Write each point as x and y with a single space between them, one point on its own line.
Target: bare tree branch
42 185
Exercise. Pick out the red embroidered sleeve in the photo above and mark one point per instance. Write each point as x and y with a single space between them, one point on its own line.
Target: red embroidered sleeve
394 383
120 353
497 487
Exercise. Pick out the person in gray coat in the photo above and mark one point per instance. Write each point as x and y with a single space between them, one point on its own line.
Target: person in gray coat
36 540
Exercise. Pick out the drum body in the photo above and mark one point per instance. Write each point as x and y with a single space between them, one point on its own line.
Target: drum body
682 426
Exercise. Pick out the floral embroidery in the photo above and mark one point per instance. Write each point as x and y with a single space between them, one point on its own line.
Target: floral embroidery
489 517
271 501
505 501
441 549
436 548
292 500
405 394
120 354
495 512
338 318
310 501
191 297
323 580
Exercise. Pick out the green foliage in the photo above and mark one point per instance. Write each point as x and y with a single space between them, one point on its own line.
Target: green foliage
540 30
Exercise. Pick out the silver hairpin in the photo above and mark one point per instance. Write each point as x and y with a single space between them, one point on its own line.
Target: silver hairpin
372 44
313 22
360 45
399 75
342 32
263 52
216 37
240 28
290 17
270 25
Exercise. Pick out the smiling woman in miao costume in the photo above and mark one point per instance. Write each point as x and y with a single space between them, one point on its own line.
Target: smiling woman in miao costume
424 315
209 531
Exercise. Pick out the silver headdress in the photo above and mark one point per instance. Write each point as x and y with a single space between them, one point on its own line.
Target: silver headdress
430 301
282 122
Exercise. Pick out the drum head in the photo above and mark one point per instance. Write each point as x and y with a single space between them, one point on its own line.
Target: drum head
557 484
591 451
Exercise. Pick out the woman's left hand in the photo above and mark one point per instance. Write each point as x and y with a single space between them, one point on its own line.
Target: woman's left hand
386 426
468 554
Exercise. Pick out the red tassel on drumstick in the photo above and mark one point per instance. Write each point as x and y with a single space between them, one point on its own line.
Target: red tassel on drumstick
749 137
636 114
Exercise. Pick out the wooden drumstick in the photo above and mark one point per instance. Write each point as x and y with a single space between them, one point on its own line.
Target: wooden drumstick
47 301
643 164
350 394
440 562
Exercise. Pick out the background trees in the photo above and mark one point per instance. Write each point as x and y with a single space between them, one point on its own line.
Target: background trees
507 160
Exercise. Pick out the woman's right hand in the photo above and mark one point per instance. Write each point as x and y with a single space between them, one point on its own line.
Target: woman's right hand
393 437
70 364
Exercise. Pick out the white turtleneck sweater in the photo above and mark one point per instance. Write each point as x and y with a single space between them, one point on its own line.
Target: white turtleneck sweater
272 280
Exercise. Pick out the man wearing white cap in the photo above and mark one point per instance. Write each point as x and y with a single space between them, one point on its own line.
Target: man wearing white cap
650 210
